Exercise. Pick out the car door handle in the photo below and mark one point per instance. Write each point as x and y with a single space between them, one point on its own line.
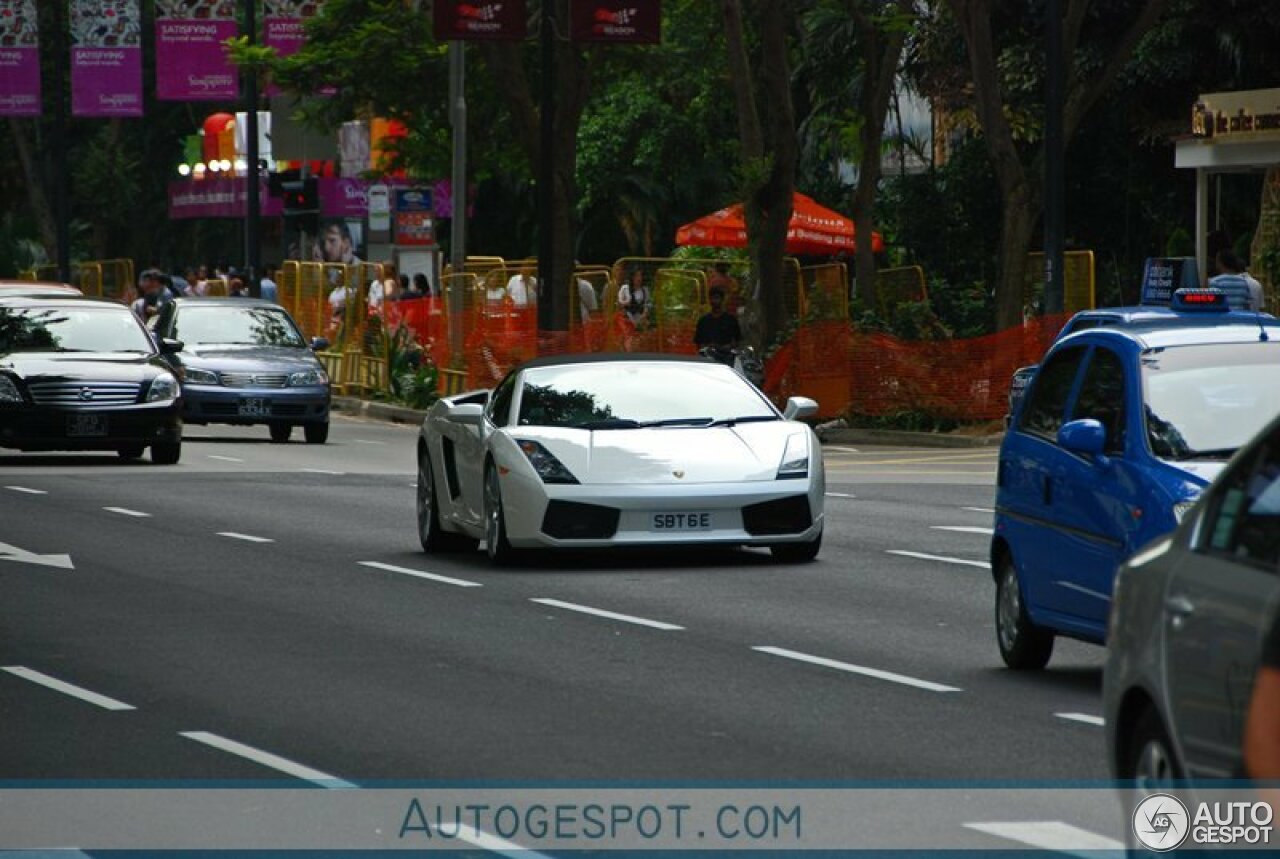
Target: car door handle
1178 608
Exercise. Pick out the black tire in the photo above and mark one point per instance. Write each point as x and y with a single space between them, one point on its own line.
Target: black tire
131 451
166 452
1150 760
316 433
280 432
430 534
1023 645
500 551
797 553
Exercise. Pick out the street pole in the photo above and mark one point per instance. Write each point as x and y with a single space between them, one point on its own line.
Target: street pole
458 215
547 283
1054 168
61 171
253 213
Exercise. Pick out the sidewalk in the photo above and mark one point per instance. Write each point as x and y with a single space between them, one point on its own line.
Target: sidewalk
852 435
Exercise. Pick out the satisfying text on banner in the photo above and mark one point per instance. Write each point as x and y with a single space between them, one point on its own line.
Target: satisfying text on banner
106 58
191 64
19 59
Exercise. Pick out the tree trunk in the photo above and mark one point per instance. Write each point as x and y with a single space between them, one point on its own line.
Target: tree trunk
880 55
34 182
1017 231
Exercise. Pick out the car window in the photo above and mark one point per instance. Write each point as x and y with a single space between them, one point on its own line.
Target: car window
499 408
1047 401
86 327
1244 518
235 325
1102 396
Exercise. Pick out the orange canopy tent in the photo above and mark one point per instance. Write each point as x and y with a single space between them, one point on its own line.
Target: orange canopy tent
814 230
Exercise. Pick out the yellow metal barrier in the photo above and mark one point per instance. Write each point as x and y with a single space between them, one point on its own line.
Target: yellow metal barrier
451 382
1079 285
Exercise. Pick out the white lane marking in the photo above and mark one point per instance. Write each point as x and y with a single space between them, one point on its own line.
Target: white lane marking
485 841
267 759
248 538
67 688
1084 718
943 558
1049 835
225 458
125 511
979 510
840 495
433 577
841 447
611 615
964 529
903 679
368 441
26 490
320 471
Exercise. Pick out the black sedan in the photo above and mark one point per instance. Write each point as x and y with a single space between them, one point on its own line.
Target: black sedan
82 374
244 361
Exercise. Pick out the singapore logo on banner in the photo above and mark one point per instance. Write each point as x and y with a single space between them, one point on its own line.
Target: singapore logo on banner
622 21
497 19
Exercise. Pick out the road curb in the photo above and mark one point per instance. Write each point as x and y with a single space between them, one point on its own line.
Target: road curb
849 435
854 435
377 411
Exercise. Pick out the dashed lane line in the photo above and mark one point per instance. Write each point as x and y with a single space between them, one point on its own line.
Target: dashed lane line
267 759
980 510
321 471
941 558
65 688
1083 718
419 574
1049 835
610 615
840 495
964 529
225 458
901 679
26 490
125 511
248 538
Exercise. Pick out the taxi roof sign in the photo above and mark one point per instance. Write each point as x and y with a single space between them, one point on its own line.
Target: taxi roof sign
1200 300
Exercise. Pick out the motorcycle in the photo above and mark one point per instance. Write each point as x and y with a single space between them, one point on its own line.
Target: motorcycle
741 358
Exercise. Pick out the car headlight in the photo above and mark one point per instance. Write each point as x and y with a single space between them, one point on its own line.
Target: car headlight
163 387
550 469
309 377
795 458
199 377
9 392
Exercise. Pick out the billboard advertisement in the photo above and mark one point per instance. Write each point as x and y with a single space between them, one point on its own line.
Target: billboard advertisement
19 59
191 64
106 58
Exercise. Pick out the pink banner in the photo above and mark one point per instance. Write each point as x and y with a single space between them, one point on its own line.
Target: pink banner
19 59
282 28
224 197
106 58
191 63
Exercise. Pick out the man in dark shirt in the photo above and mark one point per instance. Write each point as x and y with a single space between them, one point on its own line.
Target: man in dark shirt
718 330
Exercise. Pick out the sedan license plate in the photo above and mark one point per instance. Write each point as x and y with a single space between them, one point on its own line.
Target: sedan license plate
694 521
254 407
86 426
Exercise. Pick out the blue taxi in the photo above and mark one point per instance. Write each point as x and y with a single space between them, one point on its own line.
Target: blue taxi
1119 432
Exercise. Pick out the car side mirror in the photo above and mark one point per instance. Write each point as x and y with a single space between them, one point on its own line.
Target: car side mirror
319 344
169 346
468 414
1085 436
799 407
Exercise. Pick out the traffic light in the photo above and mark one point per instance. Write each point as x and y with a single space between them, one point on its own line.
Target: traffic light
301 199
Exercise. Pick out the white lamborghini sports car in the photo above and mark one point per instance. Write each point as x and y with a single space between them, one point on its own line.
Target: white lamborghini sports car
596 451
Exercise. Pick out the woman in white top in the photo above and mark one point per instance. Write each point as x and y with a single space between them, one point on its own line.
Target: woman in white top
635 299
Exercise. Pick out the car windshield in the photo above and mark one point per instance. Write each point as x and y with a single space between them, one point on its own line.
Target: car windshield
235 325
1206 401
64 328
626 395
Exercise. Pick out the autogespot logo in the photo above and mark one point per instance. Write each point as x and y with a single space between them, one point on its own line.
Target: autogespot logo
1161 822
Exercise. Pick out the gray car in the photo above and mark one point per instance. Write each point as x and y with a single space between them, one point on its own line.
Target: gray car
244 361
1187 622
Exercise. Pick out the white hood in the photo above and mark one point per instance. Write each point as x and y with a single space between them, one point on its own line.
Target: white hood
669 455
